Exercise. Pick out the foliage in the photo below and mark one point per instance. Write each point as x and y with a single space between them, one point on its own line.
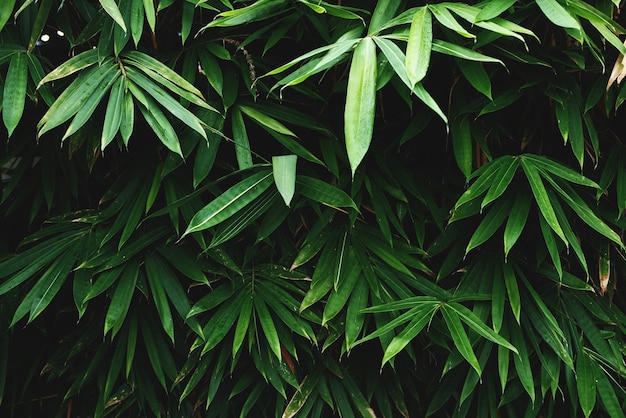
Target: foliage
304 208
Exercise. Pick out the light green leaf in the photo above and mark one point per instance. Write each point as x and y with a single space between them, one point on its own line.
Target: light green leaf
492 8
113 113
230 202
458 51
72 65
5 13
360 102
284 170
112 10
419 45
256 11
266 120
75 96
14 95
558 15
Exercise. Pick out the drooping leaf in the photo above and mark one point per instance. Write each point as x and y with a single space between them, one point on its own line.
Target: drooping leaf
360 106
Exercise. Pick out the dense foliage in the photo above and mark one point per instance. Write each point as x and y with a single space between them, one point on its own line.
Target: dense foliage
304 208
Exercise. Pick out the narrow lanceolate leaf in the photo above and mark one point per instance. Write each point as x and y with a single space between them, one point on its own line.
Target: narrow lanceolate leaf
419 45
360 102
517 220
542 199
14 91
493 9
74 64
284 170
111 8
458 51
121 298
324 193
113 114
557 14
230 202
462 145
460 338
585 383
417 324
5 13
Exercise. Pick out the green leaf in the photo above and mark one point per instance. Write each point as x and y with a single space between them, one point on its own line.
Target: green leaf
490 224
419 45
14 95
112 10
558 15
360 102
459 336
492 8
475 73
499 186
284 171
267 325
542 199
517 220
323 192
585 383
266 120
5 13
230 202
159 296
478 326
76 95
300 397
522 362
255 11
419 320
454 50
221 322
241 141
461 135
122 297
113 113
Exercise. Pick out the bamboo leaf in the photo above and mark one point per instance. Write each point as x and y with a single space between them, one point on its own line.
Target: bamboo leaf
122 297
542 199
159 297
558 15
418 322
360 102
5 13
14 96
493 8
284 171
268 327
112 10
459 336
478 326
113 113
230 202
490 224
454 50
517 220
71 66
323 192
419 45
461 135
241 141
